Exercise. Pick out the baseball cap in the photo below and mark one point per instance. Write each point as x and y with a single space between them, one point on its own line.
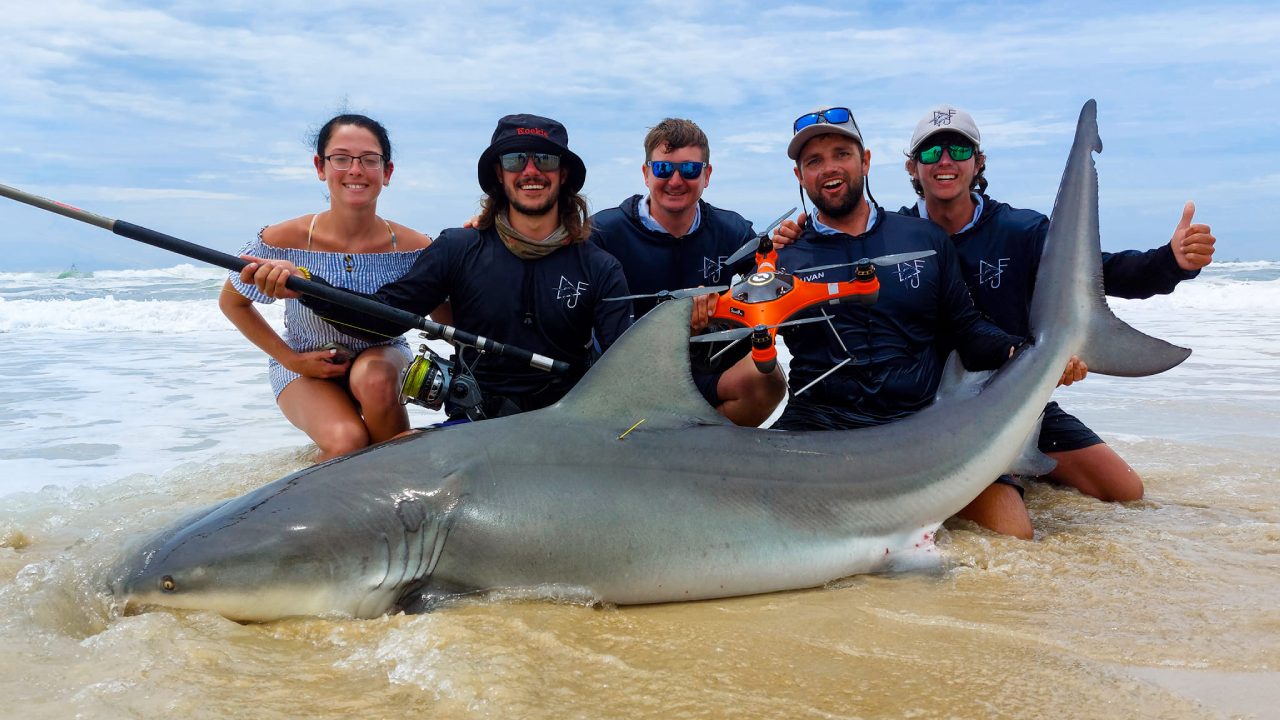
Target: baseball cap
944 118
826 121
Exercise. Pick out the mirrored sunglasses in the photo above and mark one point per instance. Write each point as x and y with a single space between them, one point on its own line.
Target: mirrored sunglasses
517 161
663 169
833 116
931 155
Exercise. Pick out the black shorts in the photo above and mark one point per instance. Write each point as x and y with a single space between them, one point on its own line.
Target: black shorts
1061 432
707 384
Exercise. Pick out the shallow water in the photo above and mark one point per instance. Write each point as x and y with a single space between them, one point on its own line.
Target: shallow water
1163 608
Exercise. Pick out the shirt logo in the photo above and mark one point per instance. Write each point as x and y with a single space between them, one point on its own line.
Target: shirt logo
570 292
909 273
943 118
990 274
711 267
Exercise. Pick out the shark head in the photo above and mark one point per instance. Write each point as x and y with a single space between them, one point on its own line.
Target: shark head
275 556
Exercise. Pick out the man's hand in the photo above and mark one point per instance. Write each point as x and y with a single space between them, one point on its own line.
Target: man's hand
1192 245
703 306
1076 371
269 276
788 231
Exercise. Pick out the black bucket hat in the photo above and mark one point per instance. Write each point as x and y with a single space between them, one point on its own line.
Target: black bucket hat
534 134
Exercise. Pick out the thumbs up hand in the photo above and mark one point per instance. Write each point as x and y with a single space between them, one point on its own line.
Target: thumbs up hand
1192 244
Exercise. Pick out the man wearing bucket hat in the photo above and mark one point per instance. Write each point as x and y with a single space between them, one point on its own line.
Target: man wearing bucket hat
885 359
671 239
524 275
999 248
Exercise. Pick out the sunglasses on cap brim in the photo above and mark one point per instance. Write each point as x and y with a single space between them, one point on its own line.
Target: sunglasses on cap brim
933 154
517 161
663 169
832 116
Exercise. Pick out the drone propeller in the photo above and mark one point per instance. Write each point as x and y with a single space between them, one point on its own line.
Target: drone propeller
741 332
754 244
883 261
673 294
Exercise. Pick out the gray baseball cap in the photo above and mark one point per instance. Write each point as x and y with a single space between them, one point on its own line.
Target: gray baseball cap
818 123
944 118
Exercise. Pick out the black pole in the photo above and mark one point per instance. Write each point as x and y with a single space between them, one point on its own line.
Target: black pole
325 292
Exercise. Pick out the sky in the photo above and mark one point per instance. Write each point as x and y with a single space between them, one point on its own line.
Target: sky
192 118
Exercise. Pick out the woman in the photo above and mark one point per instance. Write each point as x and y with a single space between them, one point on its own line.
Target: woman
343 392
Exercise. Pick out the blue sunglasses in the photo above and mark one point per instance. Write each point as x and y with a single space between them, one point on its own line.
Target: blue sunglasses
663 169
833 116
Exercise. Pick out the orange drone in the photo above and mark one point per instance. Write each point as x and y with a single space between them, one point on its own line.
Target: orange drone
765 300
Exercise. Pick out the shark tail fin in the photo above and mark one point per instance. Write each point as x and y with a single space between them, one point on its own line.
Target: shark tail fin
1109 345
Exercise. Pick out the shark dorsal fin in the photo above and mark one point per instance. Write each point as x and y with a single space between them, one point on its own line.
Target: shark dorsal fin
645 376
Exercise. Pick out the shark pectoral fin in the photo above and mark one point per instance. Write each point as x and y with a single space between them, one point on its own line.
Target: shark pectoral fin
1030 461
1113 347
958 383
644 375
434 597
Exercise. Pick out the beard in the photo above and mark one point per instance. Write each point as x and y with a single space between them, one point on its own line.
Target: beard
842 206
539 210
542 208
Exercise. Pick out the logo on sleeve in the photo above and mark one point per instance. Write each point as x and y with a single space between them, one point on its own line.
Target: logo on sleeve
990 274
909 273
570 292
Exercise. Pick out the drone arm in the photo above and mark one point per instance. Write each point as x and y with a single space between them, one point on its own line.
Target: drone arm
763 352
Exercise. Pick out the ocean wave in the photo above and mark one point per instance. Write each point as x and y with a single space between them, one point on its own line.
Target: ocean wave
185 271
109 315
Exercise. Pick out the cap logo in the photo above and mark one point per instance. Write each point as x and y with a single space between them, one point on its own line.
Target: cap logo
943 118
531 131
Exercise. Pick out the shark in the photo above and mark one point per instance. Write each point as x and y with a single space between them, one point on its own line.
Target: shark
633 490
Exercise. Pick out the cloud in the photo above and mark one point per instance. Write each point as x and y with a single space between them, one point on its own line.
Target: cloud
214 100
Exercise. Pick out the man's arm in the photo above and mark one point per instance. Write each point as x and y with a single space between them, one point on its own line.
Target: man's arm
1136 274
611 319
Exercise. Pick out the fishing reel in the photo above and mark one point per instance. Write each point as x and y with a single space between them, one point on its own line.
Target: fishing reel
434 383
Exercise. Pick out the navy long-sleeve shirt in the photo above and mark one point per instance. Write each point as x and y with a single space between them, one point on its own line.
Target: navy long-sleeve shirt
1000 255
896 343
655 261
549 306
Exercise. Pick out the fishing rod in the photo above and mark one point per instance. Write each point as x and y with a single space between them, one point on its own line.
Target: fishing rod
433 330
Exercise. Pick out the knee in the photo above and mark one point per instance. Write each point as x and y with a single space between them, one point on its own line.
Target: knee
1000 509
763 389
375 383
1125 488
748 396
340 438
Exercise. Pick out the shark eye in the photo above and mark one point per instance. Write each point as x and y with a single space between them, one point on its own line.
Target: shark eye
167 584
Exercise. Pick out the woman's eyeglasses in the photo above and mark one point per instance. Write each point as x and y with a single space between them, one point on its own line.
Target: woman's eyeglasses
369 161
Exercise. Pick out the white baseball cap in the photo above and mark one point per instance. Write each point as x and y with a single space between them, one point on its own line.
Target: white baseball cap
944 118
